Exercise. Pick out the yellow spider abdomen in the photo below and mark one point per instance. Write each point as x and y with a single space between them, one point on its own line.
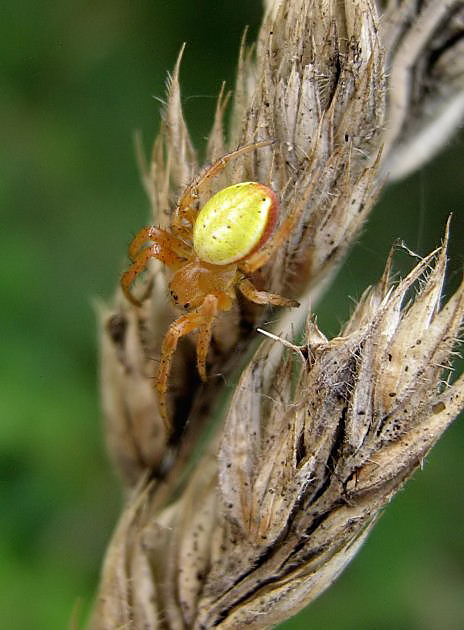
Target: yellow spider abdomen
234 223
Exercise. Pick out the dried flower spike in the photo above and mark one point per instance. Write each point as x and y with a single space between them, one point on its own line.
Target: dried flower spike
323 108
424 44
316 439
305 468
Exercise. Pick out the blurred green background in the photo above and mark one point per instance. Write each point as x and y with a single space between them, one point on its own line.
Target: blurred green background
76 80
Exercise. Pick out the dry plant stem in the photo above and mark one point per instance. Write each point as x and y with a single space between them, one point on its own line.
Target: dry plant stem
303 476
316 439
321 100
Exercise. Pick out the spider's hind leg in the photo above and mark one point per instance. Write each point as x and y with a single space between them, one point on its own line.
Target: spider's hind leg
201 318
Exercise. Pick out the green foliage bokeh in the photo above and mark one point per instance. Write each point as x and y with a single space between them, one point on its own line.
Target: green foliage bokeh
77 80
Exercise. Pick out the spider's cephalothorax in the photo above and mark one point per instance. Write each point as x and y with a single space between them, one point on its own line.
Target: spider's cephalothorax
210 253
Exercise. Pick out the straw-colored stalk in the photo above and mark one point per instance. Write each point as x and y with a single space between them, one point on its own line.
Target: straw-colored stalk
246 527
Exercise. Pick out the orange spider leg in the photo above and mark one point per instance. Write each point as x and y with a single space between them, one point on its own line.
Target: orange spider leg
165 240
209 308
185 208
263 297
165 247
183 230
200 318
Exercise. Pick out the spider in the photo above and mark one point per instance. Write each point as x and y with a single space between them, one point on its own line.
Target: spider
210 253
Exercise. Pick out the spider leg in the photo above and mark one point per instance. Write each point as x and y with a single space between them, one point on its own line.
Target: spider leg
164 239
166 247
209 308
200 318
185 208
263 297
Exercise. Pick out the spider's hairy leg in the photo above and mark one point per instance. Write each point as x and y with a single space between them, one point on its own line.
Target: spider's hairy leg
165 240
184 211
209 309
202 318
263 297
166 247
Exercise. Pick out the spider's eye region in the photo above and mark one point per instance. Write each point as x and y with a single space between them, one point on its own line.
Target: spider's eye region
234 223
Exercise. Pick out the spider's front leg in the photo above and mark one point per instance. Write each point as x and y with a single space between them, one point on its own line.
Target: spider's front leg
263 297
202 318
166 247
185 213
